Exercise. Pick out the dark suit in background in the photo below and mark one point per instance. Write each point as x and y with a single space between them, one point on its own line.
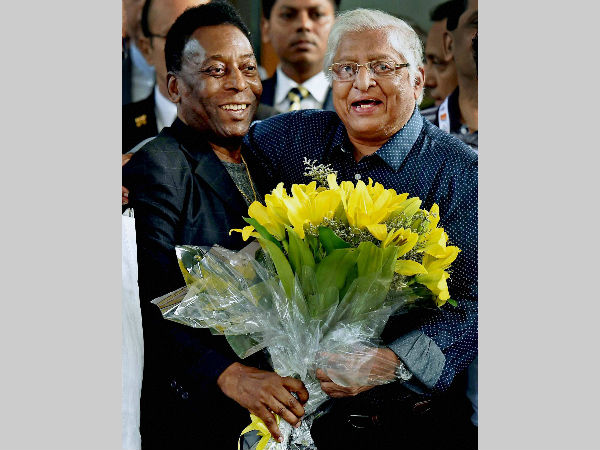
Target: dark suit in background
182 194
139 122
268 93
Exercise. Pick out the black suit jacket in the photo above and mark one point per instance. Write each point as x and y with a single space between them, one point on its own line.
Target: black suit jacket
182 194
139 122
268 93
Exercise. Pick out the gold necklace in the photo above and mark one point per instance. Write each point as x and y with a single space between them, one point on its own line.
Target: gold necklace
249 179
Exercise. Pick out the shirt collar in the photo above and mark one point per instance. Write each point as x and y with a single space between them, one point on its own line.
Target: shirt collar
396 148
317 86
166 110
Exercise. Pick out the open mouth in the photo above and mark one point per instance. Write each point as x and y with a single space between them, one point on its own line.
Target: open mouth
366 105
235 106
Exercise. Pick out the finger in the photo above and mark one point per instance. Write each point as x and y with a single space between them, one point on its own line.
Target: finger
297 386
290 402
269 419
321 376
282 411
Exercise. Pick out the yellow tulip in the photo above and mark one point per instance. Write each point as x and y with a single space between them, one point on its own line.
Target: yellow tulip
443 261
435 243
436 283
266 217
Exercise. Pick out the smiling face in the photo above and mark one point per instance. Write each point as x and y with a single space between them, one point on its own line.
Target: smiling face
218 88
298 31
373 109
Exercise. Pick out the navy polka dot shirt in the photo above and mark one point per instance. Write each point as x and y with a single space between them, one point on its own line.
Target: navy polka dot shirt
425 162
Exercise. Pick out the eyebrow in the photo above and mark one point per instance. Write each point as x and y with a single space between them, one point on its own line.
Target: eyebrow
219 56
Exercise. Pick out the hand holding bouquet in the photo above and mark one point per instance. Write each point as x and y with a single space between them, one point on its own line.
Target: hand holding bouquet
336 260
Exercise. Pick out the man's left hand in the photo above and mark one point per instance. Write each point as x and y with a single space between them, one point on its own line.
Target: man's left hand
383 371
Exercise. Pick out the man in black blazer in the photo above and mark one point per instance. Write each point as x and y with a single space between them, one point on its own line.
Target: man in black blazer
196 392
298 31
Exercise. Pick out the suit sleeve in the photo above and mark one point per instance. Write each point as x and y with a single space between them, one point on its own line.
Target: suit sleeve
159 183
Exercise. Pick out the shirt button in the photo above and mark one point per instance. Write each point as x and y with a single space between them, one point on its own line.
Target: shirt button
357 176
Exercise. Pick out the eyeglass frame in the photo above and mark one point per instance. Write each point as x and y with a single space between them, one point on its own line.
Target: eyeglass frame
368 66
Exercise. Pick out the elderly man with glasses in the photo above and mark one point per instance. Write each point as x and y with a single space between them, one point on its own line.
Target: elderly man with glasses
375 64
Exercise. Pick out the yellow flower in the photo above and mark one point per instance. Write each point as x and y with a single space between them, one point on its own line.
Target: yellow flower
435 243
268 218
442 261
436 283
404 239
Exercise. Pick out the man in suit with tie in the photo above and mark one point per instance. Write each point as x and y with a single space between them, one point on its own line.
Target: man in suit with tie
145 118
298 31
191 185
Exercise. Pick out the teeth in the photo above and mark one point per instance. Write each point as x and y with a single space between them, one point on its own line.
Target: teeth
234 107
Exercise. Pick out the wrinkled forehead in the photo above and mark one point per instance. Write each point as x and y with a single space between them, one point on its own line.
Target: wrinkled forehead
367 45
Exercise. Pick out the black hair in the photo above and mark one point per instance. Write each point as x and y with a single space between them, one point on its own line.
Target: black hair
214 13
441 11
267 6
457 7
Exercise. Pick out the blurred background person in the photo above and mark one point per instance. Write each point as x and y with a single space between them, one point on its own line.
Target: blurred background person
440 73
145 118
137 75
458 113
298 31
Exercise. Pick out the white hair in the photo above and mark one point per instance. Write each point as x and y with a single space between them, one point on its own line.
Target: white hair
401 37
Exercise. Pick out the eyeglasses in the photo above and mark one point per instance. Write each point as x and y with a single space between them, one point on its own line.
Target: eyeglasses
377 69
152 35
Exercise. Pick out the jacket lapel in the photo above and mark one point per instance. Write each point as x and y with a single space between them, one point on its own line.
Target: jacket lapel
210 169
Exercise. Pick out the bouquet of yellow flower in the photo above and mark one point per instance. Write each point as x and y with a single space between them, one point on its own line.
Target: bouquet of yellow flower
335 262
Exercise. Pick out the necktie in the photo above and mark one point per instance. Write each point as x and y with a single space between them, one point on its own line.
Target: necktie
296 95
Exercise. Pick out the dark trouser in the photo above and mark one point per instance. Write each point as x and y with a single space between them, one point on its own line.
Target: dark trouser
391 417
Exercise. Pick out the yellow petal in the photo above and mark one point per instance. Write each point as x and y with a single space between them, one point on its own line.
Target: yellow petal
408 267
379 231
247 232
444 259
411 240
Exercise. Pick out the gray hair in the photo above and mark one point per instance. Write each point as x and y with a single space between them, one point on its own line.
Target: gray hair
401 37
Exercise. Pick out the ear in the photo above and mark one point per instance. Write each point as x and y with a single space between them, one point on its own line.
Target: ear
173 87
448 45
145 46
264 30
419 81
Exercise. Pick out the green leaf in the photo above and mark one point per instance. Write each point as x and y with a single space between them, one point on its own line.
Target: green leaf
299 253
262 230
452 302
330 240
335 267
284 270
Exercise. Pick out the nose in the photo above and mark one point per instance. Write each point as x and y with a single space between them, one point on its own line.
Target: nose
430 80
363 79
235 80
305 23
